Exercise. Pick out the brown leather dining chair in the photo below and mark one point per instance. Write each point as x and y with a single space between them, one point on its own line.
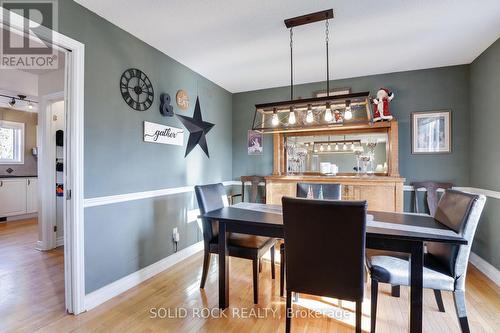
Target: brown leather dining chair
330 192
213 197
333 227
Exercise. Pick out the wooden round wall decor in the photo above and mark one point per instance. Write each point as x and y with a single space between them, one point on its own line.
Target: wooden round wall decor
137 90
182 99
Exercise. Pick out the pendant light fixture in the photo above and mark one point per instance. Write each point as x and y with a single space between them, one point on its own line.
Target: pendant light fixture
310 113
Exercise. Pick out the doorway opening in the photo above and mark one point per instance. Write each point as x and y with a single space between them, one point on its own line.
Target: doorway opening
59 182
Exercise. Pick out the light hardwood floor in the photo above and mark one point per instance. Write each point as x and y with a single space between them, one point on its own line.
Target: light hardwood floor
178 288
31 281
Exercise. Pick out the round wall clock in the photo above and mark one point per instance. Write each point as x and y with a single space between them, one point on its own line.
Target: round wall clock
137 90
182 99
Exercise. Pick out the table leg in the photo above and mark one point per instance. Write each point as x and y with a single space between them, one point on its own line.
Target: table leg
223 267
416 286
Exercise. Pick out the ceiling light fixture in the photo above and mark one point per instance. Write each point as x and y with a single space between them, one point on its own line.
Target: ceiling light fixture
22 98
309 110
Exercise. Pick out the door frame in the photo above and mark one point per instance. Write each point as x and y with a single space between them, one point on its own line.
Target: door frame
74 268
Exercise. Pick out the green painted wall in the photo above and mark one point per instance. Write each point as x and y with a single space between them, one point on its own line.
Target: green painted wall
430 89
122 238
484 150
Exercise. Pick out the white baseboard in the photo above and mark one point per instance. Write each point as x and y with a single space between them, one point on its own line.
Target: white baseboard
60 241
22 217
113 289
41 246
485 267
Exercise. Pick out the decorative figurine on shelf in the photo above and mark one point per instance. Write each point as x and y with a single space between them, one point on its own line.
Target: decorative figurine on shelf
310 194
381 110
320 195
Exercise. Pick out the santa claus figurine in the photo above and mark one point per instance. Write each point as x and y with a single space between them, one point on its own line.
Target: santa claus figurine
381 110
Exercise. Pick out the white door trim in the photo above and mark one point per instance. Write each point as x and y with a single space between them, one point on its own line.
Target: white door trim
74 269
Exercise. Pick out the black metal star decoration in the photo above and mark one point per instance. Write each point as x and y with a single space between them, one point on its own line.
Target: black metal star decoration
197 129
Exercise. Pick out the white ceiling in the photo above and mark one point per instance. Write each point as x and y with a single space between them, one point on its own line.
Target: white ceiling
244 45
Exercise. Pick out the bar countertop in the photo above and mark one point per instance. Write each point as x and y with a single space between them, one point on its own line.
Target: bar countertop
331 178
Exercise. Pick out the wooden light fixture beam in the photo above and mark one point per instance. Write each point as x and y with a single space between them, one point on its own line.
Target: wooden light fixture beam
309 18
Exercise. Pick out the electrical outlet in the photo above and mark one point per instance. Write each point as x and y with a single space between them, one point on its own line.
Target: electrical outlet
175 235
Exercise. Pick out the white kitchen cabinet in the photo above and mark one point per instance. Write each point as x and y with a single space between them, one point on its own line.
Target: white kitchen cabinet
12 196
31 195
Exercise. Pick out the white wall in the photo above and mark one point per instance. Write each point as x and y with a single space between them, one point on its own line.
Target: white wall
50 82
19 82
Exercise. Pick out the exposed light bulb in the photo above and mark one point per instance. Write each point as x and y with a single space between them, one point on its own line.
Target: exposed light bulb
328 113
275 121
352 146
336 147
329 147
321 148
291 117
344 147
309 116
30 106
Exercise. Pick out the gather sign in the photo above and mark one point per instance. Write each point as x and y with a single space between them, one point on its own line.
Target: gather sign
159 133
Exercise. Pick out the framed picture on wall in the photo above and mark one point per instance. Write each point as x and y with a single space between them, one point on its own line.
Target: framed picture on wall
431 132
255 143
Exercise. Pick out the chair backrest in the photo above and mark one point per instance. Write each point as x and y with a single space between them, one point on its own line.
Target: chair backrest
254 187
325 247
330 191
210 197
460 212
432 197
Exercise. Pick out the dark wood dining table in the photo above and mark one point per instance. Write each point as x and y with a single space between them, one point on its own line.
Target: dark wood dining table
401 232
